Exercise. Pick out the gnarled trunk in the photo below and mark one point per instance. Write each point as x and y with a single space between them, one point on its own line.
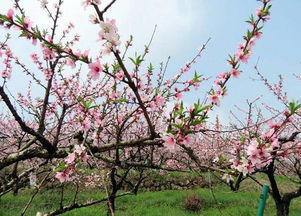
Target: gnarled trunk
282 208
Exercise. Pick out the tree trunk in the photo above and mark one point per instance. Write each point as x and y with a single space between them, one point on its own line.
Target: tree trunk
282 208
112 196
111 205
15 176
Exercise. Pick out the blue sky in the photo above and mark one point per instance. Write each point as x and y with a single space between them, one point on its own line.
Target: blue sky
183 26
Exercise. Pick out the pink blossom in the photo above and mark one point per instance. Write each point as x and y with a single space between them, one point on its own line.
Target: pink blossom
27 23
65 175
178 95
61 176
286 112
34 41
113 95
257 35
196 85
109 33
241 46
198 127
34 56
159 100
252 42
248 168
133 75
217 82
277 89
86 124
275 144
253 147
263 153
170 163
268 136
109 30
273 125
187 140
235 163
77 54
47 74
214 99
267 18
259 12
8 52
191 108
119 75
220 93
169 142
84 157
258 155
86 3
71 158
223 75
95 70
235 73
85 54
242 56
243 166
10 14
144 97
6 73
48 53
79 149
70 62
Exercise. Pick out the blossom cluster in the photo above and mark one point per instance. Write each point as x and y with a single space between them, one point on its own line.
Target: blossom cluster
7 56
242 55
69 169
261 151
109 33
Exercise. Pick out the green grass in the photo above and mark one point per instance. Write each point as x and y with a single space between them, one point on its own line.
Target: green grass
167 203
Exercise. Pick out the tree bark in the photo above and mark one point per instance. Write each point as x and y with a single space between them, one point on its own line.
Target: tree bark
282 208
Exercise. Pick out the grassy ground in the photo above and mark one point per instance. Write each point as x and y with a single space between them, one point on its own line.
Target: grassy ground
165 203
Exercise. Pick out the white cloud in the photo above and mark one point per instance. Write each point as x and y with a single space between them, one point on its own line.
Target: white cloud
174 18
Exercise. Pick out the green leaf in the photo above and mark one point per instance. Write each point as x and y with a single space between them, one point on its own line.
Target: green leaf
137 61
121 100
20 20
249 35
292 106
179 126
150 67
120 151
4 18
197 122
61 166
242 139
23 34
116 67
201 109
197 78
86 104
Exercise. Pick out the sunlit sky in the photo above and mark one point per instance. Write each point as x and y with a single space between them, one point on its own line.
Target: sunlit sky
183 26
